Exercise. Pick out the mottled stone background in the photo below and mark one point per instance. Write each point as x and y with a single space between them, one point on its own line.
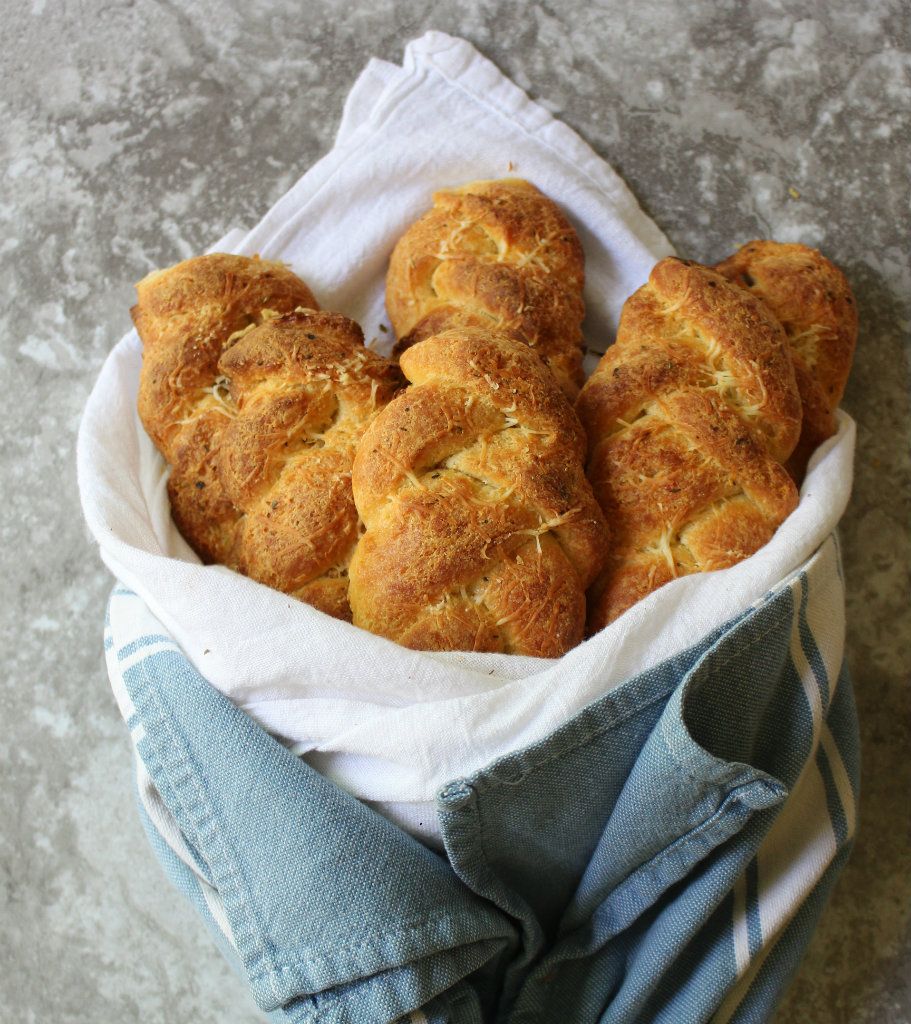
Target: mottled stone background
135 133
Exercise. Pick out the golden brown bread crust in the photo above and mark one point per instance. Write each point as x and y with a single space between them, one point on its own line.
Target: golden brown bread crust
482 532
689 414
494 255
812 299
304 389
258 401
186 316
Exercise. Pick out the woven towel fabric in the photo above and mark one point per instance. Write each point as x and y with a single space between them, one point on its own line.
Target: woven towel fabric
662 856
388 725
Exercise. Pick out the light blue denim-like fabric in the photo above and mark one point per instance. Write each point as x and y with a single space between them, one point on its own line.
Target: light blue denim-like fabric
626 869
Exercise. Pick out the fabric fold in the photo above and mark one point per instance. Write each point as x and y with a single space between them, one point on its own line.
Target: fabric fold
263 823
641 863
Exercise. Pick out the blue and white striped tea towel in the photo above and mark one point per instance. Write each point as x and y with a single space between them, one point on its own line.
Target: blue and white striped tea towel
641 830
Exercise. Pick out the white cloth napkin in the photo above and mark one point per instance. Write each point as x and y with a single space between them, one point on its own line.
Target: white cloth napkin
387 724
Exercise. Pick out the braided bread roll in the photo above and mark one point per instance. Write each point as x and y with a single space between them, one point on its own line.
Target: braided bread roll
690 415
495 255
304 389
482 532
812 300
186 315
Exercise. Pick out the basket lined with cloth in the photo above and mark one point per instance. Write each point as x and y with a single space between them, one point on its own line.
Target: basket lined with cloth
643 829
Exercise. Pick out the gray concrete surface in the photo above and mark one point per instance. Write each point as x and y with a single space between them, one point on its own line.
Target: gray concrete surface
135 133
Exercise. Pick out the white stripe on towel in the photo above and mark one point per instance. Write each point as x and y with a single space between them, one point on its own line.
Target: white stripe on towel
788 870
